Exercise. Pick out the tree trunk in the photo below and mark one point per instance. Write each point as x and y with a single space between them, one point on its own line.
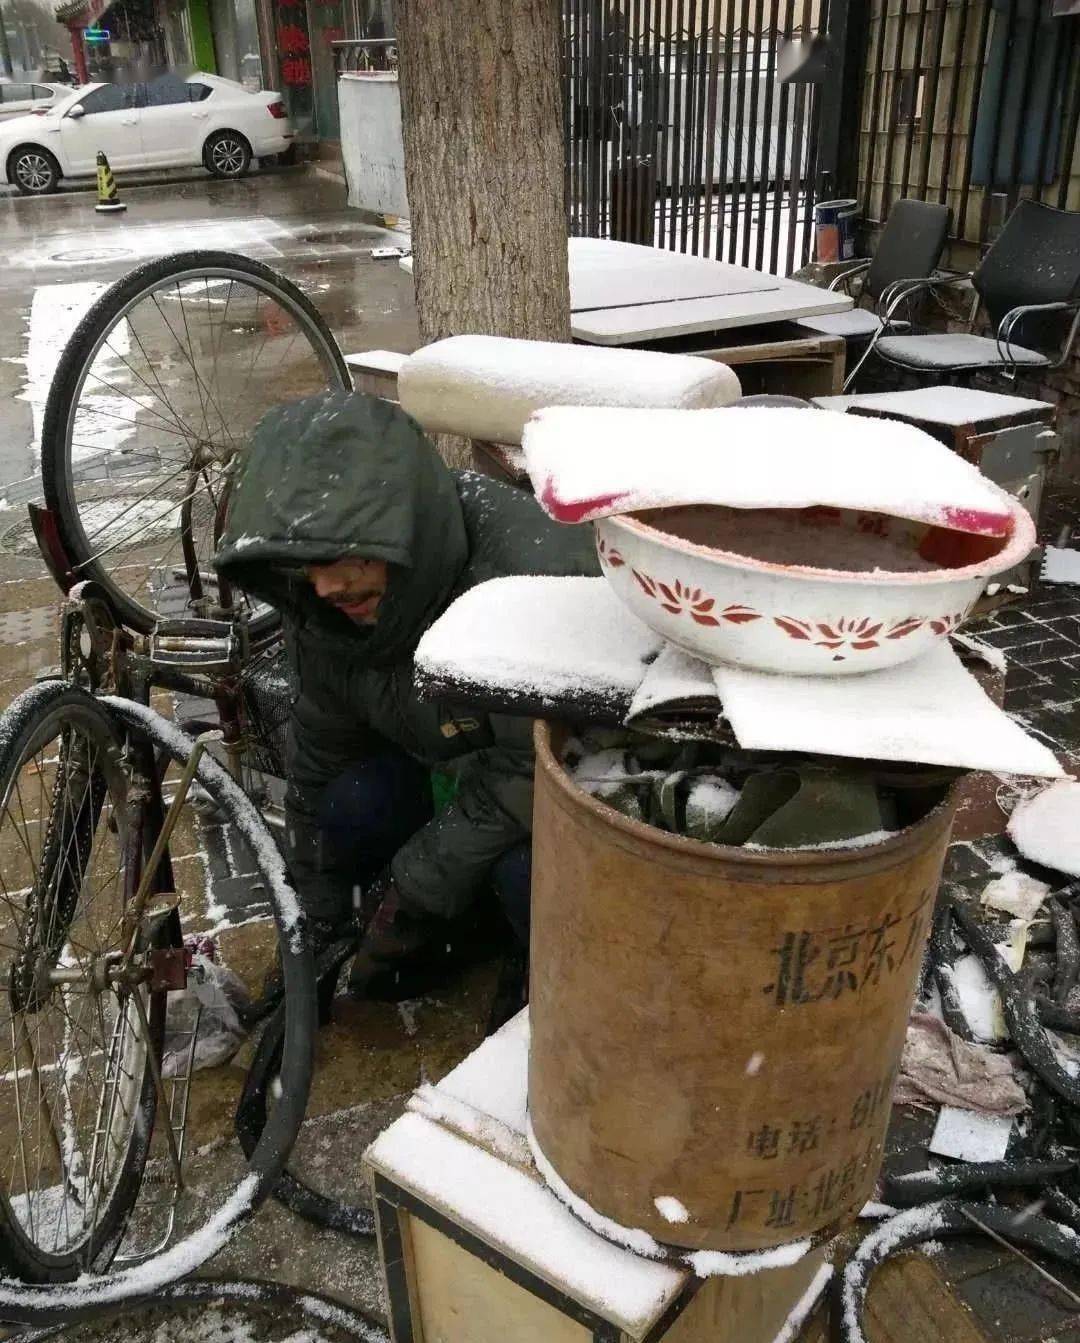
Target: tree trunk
481 115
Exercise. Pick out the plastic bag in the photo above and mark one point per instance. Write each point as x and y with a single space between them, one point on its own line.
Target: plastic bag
212 999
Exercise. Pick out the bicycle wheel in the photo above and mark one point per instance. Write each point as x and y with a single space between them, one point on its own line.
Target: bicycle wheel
153 401
52 1300
77 1096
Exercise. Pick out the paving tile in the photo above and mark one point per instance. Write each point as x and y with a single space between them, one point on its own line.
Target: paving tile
1015 636
1041 650
1013 1302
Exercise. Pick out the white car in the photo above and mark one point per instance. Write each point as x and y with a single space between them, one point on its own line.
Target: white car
17 99
169 122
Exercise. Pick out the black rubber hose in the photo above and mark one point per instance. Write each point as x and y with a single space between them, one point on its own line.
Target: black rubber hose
924 1186
931 1222
1021 1014
251 1112
1068 951
942 957
314 1308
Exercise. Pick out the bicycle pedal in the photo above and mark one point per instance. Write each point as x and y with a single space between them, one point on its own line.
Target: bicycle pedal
196 643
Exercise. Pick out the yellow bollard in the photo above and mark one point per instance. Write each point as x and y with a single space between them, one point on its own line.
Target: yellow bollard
108 201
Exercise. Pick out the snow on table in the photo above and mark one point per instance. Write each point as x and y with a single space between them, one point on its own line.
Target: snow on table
592 462
486 387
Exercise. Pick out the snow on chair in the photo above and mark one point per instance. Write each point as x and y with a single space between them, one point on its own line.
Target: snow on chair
485 388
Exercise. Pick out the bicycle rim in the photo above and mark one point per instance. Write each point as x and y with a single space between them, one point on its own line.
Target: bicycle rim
41 1304
76 1093
153 403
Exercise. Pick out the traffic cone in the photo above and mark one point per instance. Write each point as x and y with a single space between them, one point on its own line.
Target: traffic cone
108 198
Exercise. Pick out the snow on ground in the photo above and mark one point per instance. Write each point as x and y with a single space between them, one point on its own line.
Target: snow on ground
55 311
132 243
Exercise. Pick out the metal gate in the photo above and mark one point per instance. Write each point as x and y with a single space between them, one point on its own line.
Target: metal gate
681 133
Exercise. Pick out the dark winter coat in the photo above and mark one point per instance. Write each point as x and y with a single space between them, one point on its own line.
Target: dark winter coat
343 474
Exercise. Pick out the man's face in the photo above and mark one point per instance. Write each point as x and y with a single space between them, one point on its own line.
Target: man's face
355 587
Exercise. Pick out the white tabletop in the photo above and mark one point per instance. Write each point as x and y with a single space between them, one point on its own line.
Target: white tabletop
621 294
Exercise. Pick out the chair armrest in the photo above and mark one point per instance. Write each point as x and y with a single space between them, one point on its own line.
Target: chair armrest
844 278
1014 315
900 291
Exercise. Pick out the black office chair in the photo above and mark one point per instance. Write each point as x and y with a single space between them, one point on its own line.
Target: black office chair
1029 284
909 248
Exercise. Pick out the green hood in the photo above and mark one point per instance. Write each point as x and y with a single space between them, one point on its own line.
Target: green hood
345 474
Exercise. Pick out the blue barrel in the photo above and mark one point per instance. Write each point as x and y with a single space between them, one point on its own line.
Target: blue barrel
834 225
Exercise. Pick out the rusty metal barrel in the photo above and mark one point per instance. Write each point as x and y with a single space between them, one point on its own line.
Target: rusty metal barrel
715 1031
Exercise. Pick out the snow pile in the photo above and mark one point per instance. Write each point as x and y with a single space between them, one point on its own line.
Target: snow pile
709 802
1060 566
1017 894
589 462
487 387
670 1209
1046 827
930 710
539 636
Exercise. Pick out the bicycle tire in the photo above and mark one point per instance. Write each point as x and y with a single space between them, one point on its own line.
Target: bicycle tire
37 716
104 316
34 1304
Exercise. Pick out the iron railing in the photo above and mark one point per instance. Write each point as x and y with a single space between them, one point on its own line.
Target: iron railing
680 134
971 103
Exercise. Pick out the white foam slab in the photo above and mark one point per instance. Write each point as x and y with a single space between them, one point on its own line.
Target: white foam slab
1061 565
486 387
548 637
930 710
591 462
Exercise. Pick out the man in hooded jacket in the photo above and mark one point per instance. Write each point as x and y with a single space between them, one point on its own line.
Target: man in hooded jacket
345 518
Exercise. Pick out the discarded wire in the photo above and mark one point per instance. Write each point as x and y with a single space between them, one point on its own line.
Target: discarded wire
923 1186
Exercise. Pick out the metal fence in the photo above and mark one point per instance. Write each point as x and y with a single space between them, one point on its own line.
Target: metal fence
972 103
680 133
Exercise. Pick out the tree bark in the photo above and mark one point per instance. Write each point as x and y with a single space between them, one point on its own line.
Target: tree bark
481 112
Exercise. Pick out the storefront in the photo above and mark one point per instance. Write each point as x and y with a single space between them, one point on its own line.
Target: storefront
306 31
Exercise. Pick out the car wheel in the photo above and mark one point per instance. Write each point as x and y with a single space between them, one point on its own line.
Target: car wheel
227 154
34 171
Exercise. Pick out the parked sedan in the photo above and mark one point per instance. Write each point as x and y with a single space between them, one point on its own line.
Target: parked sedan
169 122
16 100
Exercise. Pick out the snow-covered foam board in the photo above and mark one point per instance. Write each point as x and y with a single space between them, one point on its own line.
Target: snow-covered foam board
486 387
591 462
545 638
930 710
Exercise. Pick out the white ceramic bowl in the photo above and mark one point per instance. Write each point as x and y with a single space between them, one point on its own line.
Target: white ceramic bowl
816 591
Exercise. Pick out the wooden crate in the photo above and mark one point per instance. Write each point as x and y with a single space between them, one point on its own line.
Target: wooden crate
475 1248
